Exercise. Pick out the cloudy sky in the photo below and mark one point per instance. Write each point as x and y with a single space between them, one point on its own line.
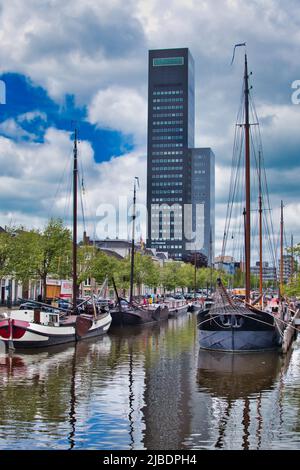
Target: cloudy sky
85 61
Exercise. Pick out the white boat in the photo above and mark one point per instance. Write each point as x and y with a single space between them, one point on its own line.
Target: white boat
35 328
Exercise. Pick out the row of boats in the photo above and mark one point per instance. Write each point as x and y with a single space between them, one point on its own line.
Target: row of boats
37 326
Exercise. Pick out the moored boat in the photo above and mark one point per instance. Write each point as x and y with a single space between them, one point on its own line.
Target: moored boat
131 314
236 327
230 325
176 307
26 329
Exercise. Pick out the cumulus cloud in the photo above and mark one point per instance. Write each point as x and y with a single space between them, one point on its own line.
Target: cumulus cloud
35 181
122 109
10 128
32 116
97 50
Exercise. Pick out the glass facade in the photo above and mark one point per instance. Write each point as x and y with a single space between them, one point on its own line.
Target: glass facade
170 133
203 193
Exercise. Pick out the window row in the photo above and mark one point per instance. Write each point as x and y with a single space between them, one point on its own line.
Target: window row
167 129
199 172
160 215
167 137
166 123
168 152
168 100
166 183
178 175
167 160
173 144
177 106
167 115
168 169
172 235
167 199
159 192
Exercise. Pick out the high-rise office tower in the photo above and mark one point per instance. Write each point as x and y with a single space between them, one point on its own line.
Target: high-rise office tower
170 132
171 128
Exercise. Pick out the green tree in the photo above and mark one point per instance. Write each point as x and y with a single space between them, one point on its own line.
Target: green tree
5 253
36 254
170 275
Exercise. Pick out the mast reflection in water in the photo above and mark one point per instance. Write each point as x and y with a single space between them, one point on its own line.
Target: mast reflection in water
149 388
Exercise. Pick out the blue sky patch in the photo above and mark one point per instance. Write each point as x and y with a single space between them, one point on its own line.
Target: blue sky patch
34 112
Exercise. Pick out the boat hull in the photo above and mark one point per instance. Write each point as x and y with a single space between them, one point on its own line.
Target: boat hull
18 334
195 308
242 341
241 333
176 312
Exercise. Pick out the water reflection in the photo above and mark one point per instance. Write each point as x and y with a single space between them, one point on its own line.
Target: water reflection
237 384
148 388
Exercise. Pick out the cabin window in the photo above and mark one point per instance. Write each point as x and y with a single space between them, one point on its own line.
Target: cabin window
53 318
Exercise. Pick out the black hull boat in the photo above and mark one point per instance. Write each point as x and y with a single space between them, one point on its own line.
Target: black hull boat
229 325
237 328
241 330
131 315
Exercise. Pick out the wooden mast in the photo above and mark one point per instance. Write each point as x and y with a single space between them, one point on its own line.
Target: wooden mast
75 179
211 260
132 242
292 257
195 273
247 187
260 231
281 251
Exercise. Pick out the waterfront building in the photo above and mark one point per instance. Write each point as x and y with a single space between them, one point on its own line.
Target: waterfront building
287 267
268 272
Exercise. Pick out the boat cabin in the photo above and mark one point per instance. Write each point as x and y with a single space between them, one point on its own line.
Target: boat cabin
36 316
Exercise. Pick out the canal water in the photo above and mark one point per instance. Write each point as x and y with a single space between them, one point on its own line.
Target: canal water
149 388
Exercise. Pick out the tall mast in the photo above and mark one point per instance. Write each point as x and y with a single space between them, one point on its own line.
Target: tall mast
75 179
281 250
132 242
292 257
195 273
260 231
247 187
211 259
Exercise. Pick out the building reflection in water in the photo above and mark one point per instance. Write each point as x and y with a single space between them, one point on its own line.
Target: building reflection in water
148 388
168 371
243 389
